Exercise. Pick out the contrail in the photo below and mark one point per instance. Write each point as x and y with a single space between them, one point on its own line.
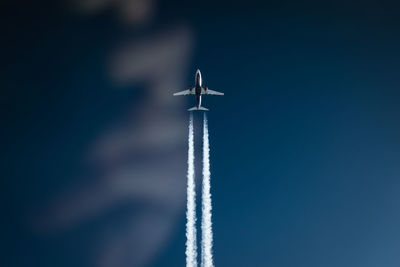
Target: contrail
206 225
191 242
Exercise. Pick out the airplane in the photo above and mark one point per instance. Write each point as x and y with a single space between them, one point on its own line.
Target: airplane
198 90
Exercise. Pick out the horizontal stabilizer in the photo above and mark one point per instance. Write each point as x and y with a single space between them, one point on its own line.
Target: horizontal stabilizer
196 108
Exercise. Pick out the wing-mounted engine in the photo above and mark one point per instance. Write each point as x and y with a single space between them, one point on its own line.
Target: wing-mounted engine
204 90
190 88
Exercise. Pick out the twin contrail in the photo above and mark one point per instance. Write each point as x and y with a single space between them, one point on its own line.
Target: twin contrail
206 225
191 242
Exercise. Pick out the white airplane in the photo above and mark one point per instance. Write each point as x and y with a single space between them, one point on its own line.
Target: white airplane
198 90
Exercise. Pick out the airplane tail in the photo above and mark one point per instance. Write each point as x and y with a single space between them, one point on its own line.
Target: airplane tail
196 108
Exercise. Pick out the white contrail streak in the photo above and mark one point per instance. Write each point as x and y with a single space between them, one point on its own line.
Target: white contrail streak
206 225
191 242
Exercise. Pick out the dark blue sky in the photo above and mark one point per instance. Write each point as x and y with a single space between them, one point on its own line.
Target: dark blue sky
304 144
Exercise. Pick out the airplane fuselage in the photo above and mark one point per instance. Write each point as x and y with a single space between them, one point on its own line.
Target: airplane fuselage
197 88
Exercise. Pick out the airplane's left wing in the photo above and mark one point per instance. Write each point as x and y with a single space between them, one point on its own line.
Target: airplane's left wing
211 92
186 92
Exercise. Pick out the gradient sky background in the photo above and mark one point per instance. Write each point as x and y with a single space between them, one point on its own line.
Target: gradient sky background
305 143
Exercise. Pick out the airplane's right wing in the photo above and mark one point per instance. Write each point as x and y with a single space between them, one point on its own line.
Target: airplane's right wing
211 92
186 92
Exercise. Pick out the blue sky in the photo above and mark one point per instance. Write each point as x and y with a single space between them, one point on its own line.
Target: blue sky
304 144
